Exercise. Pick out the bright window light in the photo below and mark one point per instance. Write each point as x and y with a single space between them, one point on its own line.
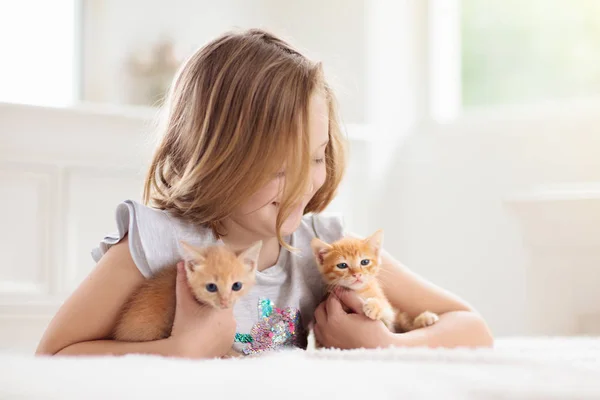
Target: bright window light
38 52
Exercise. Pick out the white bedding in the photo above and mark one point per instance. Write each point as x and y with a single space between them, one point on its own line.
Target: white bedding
518 368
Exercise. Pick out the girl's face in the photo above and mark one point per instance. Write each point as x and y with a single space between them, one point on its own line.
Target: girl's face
259 213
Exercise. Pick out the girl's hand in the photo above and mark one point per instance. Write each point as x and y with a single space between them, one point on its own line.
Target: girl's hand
336 328
199 331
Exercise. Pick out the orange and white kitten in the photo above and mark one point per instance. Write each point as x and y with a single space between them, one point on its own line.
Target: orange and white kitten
217 278
354 264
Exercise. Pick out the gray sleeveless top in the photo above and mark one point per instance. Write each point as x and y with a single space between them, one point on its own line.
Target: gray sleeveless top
275 313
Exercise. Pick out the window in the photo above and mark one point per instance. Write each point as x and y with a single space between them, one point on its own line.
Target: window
516 51
512 53
37 38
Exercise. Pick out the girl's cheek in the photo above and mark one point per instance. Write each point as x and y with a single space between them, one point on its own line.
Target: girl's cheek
319 177
263 197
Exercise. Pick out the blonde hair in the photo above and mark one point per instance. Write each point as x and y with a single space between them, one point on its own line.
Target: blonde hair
237 112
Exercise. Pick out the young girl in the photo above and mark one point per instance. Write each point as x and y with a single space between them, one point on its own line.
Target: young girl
251 151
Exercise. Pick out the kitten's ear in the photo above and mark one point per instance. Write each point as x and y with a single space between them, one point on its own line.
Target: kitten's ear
190 265
319 248
192 256
250 255
375 241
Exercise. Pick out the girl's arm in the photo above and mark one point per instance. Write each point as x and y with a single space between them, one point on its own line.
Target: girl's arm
85 321
89 314
114 348
459 324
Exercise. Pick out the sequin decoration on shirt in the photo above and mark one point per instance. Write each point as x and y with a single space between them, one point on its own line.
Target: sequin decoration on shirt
243 338
276 328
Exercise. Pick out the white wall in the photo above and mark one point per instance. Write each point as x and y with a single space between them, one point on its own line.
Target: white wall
331 31
61 174
504 210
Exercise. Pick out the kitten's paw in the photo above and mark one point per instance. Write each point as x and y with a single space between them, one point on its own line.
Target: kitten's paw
424 319
373 308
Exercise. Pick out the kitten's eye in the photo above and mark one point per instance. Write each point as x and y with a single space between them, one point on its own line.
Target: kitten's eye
342 265
320 160
365 262
236 286
211 287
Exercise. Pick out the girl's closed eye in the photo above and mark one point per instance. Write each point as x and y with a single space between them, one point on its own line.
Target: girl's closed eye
319 160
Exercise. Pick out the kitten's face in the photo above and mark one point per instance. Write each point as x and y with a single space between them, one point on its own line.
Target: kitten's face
351 263
217 276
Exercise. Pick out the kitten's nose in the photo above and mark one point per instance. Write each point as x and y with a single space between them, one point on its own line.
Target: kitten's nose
225 303
357 275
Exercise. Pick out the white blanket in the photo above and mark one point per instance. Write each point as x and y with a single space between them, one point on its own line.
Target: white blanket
540 368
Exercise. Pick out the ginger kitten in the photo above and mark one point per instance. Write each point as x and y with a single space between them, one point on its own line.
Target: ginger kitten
216 275
354 264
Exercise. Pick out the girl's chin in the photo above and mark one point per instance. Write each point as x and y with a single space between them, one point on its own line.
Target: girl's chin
289 226
293 221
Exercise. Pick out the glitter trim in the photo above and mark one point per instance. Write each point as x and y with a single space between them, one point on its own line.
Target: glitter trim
276 328
243 338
